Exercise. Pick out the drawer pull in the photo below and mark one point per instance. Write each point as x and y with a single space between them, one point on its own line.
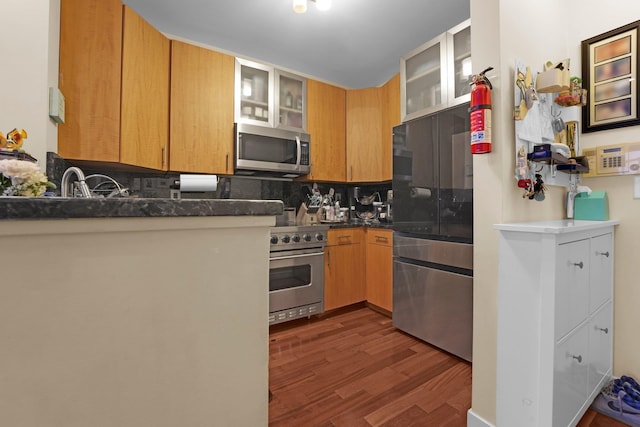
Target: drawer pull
578 358
382 239
603 253
579 264
605 330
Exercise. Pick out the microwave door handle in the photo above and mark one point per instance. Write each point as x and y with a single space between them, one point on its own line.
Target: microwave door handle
298 144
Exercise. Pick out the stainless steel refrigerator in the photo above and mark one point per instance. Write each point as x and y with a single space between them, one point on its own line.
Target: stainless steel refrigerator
433 230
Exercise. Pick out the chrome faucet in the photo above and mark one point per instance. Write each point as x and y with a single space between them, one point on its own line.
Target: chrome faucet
84 189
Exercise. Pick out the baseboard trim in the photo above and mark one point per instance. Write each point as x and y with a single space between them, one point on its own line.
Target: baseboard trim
474 420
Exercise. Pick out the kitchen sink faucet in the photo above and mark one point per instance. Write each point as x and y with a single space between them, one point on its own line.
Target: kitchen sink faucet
84 189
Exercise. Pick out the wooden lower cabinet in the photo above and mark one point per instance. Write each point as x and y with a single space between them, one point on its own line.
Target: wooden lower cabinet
358 267
379 268
344 275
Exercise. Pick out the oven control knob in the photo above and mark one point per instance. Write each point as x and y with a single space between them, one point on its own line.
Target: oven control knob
286 238
306 237
295 238
274 240
320 237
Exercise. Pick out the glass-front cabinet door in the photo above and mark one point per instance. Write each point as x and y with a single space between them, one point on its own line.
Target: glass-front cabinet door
436 75
254 96
269 97
459 55
423 73
291 101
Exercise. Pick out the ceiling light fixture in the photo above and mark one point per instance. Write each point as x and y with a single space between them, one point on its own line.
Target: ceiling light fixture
300 6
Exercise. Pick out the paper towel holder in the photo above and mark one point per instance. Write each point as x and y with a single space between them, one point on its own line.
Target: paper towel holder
193 183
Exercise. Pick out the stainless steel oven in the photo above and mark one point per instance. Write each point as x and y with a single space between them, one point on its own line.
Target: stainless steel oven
296 272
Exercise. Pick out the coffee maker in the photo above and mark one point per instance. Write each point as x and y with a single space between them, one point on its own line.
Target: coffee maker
365 208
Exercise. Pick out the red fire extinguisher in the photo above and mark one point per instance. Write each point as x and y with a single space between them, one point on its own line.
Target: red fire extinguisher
480 111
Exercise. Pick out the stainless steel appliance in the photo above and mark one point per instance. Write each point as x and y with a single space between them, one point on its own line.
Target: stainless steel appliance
296 272
264 151
433 230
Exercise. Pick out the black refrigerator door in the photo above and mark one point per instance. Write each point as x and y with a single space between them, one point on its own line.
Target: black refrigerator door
433 176
456 175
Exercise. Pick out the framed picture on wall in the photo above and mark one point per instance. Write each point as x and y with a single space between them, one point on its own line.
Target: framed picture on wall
609 73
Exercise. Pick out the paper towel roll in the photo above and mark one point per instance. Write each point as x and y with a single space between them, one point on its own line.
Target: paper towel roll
198 182
420 192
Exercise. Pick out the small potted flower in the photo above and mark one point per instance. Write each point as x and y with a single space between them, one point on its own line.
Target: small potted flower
20 177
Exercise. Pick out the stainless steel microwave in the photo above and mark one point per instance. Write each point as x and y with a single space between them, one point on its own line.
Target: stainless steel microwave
263 151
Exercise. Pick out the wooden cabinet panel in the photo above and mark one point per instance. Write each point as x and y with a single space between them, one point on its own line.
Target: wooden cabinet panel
344 268
201 119
144 132
114 74
345 236
364 135
390 118
90 67
379 268
326 118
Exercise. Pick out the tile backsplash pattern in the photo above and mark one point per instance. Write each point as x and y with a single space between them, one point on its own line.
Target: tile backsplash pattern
157 185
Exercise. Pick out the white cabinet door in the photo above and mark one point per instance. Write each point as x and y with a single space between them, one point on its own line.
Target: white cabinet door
572 288
570 376
601 270
600 345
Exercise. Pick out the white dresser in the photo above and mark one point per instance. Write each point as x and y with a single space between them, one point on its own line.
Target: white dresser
555 320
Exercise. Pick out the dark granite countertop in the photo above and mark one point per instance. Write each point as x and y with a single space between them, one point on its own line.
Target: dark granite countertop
384 225
58 207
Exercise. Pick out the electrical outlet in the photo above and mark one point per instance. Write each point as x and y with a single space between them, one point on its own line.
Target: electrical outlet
636 187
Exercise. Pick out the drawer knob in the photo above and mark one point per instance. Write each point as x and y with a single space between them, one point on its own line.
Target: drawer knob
605 330
578 358
603 253
579 264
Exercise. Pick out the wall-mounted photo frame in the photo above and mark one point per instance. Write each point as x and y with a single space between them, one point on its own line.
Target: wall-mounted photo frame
610 66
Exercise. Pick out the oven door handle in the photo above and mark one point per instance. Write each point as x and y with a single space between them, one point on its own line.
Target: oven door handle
314 254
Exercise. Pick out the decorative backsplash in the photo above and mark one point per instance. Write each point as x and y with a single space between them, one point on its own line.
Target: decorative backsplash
157 185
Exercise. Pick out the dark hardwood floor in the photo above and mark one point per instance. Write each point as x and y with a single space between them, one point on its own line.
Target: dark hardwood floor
353 368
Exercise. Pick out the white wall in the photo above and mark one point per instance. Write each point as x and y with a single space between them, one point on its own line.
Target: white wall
29 52
502 32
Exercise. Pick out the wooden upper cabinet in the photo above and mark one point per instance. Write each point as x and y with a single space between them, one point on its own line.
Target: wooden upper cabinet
201 123
364 135
90 79
144 131
326 123
390 118
114 74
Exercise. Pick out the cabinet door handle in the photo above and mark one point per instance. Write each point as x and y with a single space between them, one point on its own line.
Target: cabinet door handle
605 330
226 163
382 239
328 259
579 264
578 358
603 253
164 155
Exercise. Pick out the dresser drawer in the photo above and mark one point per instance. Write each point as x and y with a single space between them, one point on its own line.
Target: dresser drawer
572 286
600 344
570 376
601 270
